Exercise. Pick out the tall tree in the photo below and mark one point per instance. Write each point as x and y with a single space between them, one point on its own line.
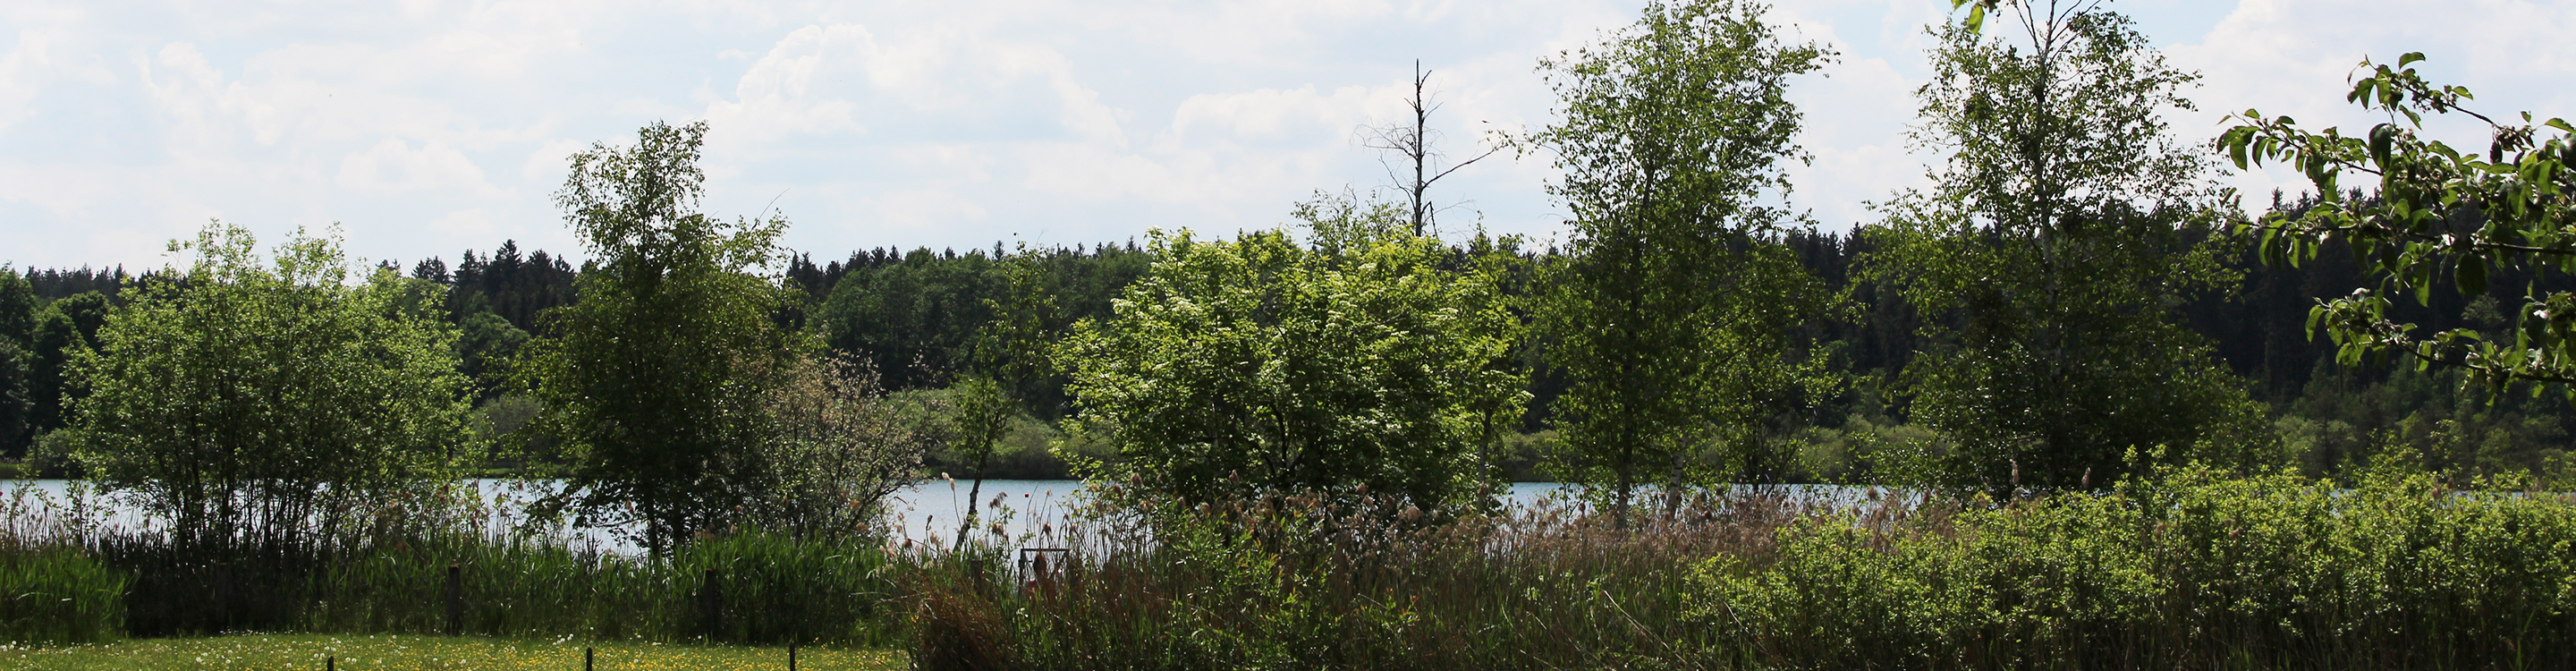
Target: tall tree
652 378
1666 313
251 401
2050 255
682 406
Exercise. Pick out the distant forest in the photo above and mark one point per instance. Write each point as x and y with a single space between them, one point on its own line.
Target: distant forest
910 315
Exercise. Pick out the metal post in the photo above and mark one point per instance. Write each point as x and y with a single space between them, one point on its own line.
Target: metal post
791 657
585 657
455 600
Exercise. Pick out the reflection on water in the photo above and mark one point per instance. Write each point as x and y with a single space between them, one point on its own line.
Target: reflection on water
928 512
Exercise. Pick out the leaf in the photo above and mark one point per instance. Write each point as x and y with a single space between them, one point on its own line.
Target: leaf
2381 136
2410 58
2234 141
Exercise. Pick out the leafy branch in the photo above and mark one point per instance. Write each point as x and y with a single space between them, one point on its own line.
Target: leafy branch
2512 207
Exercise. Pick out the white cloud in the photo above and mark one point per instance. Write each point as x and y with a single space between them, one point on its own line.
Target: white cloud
433 126
393 166
2293 58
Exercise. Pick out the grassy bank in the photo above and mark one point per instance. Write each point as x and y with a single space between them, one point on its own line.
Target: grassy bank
415 653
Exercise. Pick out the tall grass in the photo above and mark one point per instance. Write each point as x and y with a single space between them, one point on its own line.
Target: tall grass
51 590
1298 583
59 595
392 575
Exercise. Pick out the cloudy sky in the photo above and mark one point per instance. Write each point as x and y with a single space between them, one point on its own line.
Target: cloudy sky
426 127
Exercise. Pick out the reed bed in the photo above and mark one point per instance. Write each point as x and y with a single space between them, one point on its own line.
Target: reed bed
2192 569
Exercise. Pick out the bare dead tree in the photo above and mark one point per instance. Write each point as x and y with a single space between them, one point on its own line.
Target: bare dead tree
1413 145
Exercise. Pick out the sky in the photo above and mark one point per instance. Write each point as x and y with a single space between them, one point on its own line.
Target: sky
428 127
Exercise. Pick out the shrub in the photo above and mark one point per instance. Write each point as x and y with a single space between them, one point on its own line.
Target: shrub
2188 569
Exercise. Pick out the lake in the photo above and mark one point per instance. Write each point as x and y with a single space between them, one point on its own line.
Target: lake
928 510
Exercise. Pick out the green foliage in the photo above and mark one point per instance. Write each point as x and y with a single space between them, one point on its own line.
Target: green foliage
1010 355
915 319
486 342
1666 314
64 577
17 407
18 363
1299 583
18 305
2190 567
2436 211
2050 255
1257 365
772 589
251 400
678 402
58 594
64 326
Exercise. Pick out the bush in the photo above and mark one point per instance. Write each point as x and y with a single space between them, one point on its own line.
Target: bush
2190 569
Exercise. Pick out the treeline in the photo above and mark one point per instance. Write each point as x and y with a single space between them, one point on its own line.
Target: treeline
912 317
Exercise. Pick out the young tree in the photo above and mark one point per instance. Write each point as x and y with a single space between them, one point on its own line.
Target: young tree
2051 253
2434 209
256 402
1668 313
1010 353
652 380
1256 366
66 325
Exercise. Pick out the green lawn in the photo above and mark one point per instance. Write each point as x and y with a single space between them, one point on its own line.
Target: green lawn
408 653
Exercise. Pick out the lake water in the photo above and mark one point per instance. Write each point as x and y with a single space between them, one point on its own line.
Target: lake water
926 512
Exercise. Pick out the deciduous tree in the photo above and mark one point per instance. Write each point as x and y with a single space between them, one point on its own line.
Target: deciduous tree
2050 255
655 381
1253 365
249 401
1668 312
